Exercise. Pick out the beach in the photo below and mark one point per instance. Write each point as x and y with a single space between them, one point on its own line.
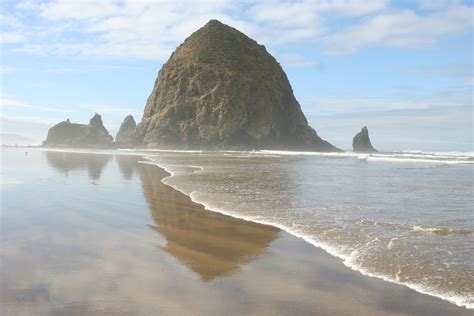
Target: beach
100 233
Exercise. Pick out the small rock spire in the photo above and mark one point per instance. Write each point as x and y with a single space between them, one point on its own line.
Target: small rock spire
361 142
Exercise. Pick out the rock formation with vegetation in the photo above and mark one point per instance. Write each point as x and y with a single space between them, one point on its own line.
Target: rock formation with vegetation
67 134
222 90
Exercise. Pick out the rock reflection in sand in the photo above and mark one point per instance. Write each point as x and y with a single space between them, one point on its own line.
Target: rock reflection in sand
68 161
127 165
211 244
75 247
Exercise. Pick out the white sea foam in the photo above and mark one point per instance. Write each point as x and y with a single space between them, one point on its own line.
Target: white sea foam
413 160
405 156
349 259
337 251
308 153
441 231
441 153
449 158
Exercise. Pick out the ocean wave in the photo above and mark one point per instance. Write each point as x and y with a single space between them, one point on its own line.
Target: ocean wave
447 158
307 153
337 251
340 251
405 156
441 153
440 231
418 160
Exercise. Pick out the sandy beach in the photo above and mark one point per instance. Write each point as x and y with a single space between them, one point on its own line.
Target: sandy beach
111 238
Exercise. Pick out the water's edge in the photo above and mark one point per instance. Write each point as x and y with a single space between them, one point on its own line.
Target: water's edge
347 260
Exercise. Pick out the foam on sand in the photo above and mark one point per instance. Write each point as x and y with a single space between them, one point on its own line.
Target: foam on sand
337 251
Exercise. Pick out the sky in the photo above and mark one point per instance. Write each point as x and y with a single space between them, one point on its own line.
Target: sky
402 68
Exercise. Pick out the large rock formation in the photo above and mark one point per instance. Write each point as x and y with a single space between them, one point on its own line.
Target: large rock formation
361 142
221 89
125 135
67 134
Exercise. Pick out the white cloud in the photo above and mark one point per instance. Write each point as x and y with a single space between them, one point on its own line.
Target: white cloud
295 61
27 5
12 103
434 4
9 21
363 105
29 119
402 29
461 71
11 37
80 10
286 14
149 29
456 69
23 105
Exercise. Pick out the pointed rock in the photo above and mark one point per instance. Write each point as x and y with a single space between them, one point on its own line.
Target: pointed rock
125 135
221 89
96 122
361 142
67 134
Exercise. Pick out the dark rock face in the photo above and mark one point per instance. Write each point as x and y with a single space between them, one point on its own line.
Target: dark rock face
67 134
125 135
361 142
221 89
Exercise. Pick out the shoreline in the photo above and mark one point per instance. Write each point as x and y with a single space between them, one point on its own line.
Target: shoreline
326 248
305 239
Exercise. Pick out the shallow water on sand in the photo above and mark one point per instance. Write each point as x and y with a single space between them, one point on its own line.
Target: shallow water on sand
101 234
405 217
80 233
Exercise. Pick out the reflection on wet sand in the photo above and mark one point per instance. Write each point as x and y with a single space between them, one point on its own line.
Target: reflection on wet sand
127 165
64 253
68 161
211 244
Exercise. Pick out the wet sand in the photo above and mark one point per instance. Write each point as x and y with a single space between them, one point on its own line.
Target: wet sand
123 243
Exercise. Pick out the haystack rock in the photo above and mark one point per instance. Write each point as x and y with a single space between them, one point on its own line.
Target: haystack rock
361 142
222 90
67 134
125 135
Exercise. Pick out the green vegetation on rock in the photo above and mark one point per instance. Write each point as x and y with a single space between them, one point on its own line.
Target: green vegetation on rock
221 89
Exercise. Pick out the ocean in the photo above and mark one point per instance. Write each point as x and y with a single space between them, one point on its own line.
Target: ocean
406 217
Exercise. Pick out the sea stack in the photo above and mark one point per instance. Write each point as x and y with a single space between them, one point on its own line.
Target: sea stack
67 134
222 90
361 142
125 135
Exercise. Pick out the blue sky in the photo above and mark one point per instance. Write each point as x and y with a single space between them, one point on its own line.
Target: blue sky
403 68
